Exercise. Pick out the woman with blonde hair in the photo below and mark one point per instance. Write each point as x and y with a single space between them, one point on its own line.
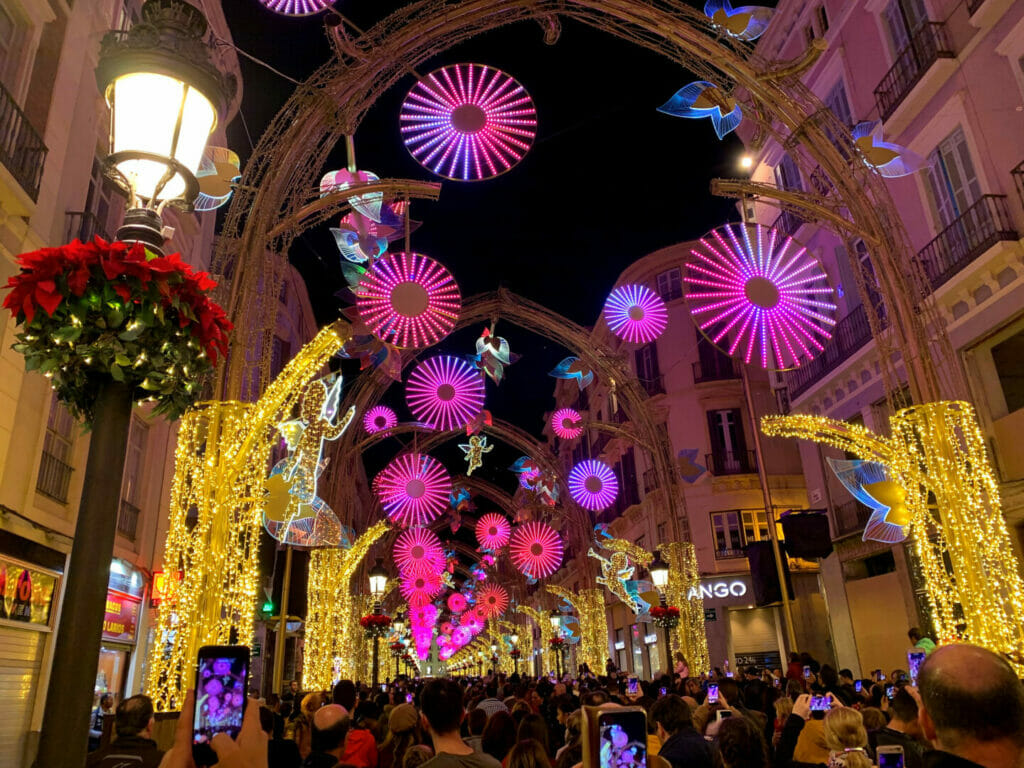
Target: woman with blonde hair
846 738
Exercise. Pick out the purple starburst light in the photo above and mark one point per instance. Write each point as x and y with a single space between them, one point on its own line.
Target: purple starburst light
378 418
417 550
567 423
492 531
468 122
593 485
536 549
756 293
298 7
445 392
413 489
635 314
408 300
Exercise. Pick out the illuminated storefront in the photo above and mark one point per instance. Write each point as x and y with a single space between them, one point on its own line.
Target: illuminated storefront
124 611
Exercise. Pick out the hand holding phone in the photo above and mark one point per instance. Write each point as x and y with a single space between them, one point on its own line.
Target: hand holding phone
713 693
631 685
222 679
890 756
662 691
858 686
820 704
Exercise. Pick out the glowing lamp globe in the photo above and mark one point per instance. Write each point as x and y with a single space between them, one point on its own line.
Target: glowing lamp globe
445 392
378 579
456 602
536 549
758 295
417 550
408 300
492 531
420 589
468 122
593 485
492 600
379 418
163 105
635 314
659 571
413 489
567 423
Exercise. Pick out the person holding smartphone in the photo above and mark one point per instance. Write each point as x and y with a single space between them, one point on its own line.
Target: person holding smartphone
900 729
681 744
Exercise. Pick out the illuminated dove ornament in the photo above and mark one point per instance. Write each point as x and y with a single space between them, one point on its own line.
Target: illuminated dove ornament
887 159
869 483
748 22
702 99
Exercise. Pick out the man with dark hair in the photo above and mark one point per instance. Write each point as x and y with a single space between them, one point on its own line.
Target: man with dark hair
327 738
344 694
133 747
104 708
491 703
971 709
477 723
681 745
281 752
442 713
900 730
595 698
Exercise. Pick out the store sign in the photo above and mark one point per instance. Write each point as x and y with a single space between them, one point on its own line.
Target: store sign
648 639
719 588
121 618
162 582
710 614
620 645
27 593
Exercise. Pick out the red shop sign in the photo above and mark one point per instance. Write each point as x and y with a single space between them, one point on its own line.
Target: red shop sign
121 618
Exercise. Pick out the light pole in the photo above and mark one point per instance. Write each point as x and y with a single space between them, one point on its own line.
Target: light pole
399 626
165 95
514 637
659 575
494 658
378 585
480 664
556 632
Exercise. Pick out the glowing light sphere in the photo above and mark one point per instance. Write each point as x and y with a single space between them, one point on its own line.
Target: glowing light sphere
417 550
492 600
536 549
567 423
445 392
492 531
413 489
635 313
456 602
419 589
297 7
593 485
378 418
756 293
408 300
447 629
467 122
461 636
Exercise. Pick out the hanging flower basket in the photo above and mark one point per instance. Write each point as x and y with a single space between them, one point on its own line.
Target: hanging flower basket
515 653
397 649
95 312
557 643
375 624
666 618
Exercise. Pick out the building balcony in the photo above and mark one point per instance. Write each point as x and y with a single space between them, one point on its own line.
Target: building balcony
927 45
731 462
84 225
655 386
977 229
22 150
849 335
850 517
650 480
729 554
54 477
128 520
719 368
787 222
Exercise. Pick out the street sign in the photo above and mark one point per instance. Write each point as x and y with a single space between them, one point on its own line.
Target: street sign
257 649
710 614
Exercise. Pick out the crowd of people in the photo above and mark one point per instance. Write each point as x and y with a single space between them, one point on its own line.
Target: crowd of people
967 710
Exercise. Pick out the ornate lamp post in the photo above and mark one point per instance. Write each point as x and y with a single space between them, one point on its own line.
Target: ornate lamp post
378 585
165 95
556 633
665 616
399 626
480 664
514 637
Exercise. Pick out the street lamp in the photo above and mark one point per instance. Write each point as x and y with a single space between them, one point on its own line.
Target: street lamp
556 628
480 664
378 585
659 575
514 637
399 626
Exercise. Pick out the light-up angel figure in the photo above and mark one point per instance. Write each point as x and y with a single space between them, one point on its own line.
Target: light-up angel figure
702 99
869 483
748 22
617 571
292 509
474 452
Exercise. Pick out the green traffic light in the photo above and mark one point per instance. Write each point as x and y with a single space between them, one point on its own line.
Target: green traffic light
268 607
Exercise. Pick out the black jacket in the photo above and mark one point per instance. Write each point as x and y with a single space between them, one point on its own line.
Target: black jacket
125 752
686 749
936 758
319 760
913 750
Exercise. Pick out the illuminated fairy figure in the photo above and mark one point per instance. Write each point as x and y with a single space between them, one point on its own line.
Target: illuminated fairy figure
617 571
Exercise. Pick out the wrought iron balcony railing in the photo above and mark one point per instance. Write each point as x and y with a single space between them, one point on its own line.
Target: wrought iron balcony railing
84 225
22 150
731 462
851 517
128 520
655 386
719 368
850 334
977 229
927 45
729 554
787 222
54 477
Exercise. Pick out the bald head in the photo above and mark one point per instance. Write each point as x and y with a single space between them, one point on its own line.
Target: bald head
970 695
330 726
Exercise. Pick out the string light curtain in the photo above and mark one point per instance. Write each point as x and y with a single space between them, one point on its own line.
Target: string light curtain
590 610
684 580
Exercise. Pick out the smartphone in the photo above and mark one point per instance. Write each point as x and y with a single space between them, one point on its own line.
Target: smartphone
819 704
662 691
632 683
858 686
890 756
881 676
222 679
722 714
408 698
776 682
383 687
915 656
807 672
890 690
614 737
712 694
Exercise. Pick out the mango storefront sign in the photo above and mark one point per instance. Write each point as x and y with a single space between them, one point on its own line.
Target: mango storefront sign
121 618
721 589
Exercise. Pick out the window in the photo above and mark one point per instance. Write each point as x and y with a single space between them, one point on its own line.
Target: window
662 532
642 541
728 534
821 15
787 175
902 19
837 101
952 183
670 284
55 464
131 480
1008 357
646 359
728 445
755 525
280 354
630 491
103 207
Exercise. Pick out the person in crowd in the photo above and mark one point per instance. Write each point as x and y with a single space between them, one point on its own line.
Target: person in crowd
291 692
971 709
740 745
846 738
732 698
499 735
134 745
900 729
682 666
595 698
783 709
105 707
360 745
417 755
344 693
610 669
572 752
794 670
302 729
476 722
682 746
874 720
281 752
802 741
442 714
329 727
403 733
528 753
533 727
492 703
921 640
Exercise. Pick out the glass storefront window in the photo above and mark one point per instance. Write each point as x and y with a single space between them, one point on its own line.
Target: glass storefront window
110 672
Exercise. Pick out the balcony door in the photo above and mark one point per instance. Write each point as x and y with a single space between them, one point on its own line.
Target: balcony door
952 181
728 444
902 19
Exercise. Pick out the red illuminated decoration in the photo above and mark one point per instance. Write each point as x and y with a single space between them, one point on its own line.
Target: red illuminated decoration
418 550
420 589
492 531
536 549
492 600
413 489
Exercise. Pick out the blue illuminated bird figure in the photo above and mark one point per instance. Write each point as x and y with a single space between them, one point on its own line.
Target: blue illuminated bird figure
701 99
747 22
887 159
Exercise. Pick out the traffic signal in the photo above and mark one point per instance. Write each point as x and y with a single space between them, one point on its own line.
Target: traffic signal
268 607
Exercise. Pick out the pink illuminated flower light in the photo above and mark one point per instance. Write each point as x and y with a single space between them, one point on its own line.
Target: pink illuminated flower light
492 600
635 314
468 122
756 293
297 7
418 550
408 300
567 423
445 392
536 549
593 485
420 589
492 531
379 418
413 489
456 602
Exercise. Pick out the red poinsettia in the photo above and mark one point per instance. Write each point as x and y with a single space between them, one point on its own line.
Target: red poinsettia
557 642
375 620
670 611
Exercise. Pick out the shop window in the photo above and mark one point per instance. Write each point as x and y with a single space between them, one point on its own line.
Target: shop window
1008 357
670 284
55 464
865 568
